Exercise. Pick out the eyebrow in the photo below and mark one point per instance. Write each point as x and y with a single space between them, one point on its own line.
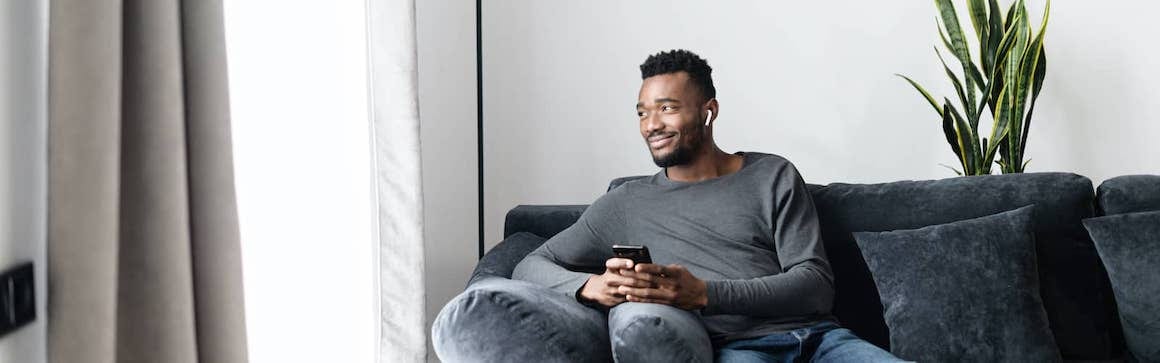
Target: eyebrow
659 100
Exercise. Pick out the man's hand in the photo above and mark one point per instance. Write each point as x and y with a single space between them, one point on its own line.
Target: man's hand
672 284
602 288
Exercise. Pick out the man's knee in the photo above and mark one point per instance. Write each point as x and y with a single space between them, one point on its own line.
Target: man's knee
656 333
495 320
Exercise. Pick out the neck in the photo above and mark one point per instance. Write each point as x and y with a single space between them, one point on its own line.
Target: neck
711 162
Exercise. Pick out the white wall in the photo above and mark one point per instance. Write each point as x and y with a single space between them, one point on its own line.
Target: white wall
447 107
23 178
811 81
298 92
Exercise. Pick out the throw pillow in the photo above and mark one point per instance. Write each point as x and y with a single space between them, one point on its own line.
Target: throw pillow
1129 245
966 290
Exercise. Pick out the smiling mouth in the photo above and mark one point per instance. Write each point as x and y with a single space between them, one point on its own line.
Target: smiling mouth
660 141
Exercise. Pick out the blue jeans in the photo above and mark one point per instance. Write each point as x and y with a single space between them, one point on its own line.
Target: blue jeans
643 332
824 342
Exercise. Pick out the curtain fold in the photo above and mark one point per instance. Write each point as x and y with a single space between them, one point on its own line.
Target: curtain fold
144 257
398 180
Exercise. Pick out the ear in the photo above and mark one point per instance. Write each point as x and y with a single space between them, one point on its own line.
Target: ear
711 111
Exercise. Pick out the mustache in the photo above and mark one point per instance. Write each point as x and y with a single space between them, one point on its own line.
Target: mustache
659 133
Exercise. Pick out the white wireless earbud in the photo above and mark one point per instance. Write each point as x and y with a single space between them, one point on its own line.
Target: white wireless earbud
709 119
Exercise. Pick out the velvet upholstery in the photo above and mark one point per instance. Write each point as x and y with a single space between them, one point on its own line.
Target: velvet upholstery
965 290
501 261
1073 285
1129 193
1129 245
541 220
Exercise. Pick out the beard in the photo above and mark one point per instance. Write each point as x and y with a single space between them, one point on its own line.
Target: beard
683 153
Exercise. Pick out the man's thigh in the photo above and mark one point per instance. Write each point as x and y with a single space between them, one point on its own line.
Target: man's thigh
643 332
841 345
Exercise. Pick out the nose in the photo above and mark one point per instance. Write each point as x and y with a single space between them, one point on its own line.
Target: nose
650 123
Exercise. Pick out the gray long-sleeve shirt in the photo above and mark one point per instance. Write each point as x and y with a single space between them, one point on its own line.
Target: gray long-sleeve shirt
753 236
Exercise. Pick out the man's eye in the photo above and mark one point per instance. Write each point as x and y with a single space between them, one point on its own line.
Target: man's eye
639 114
666 108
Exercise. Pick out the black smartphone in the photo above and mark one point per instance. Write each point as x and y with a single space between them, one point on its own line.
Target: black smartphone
638 254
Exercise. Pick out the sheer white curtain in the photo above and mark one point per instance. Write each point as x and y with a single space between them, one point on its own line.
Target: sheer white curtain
397 179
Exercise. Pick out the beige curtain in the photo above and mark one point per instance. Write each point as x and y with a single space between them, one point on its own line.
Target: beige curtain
144 259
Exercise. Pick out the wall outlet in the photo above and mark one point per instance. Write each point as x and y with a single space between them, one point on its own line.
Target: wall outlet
17 298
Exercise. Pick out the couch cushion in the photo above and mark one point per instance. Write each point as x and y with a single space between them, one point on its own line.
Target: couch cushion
1074 287
962 291
1129 193
1129 245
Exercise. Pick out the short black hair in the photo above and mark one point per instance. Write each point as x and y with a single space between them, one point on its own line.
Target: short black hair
680 60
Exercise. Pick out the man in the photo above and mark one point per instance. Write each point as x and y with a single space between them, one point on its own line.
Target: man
741 273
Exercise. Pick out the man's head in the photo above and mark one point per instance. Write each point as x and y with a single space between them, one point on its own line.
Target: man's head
676 104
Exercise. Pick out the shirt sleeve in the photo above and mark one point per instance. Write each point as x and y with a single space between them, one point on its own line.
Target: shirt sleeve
566 261
805 285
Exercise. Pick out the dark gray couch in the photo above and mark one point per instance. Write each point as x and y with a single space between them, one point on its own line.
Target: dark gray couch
1074 286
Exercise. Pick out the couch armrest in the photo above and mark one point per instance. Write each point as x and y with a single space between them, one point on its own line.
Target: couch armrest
541 220
502 259
1127 194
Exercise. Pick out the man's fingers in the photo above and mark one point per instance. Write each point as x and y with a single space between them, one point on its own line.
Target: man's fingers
646 293
614 292
619 280
612 299
650 268
638 283
615 264
644 300
647 277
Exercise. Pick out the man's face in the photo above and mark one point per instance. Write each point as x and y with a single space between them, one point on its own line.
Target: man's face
671 118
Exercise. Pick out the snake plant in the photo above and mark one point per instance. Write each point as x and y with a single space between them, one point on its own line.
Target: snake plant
1013 65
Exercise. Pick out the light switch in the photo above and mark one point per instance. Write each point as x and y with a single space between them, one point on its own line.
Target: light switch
17 298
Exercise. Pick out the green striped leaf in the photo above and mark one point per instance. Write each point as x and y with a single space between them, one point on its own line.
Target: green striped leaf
1038 70
954 80
952 136
959 47
1018 77
999 127
978 10
957 172
995 31
924 93
966 140
1040 73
